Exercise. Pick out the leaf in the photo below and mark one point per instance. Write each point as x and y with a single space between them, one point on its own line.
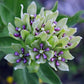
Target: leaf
33 67
32 8
5 14
2 54
11 58
63 66
5 44
48 75
74 19
24 77
55 7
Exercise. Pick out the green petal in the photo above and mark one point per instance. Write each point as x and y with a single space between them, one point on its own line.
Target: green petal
11 29
62 23
26 21
41 60
36 44
32 54
71 31
33 67
16 47
43 36
11 58
18 22
53 40
75 41
42 12
32 8
29 39
22 11
63 42
67 55
19 66
63 66
49 54
52 17
24 34
48 26
52 64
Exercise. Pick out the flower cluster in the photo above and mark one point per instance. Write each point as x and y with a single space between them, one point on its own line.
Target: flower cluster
41 39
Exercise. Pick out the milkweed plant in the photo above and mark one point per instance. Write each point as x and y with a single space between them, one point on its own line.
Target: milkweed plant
42 39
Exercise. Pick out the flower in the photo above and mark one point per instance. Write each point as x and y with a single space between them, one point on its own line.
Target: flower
42 38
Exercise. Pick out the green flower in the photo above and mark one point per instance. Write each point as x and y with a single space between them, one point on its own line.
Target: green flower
43 39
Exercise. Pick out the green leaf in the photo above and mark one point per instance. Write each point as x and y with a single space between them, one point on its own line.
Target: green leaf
74 19
67 55
2 54
24 77
53 40
11 58
5 14
48 75
24 34
5 44
33 67
55 7
32 8
63 66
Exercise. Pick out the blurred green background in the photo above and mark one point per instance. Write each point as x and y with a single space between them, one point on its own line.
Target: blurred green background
11 8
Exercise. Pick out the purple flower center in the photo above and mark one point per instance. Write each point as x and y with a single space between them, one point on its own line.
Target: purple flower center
69 44
16 35
64 35
16 54
41 51
57 29
24 27
60 53
16 28
55 22
57 63
23 56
